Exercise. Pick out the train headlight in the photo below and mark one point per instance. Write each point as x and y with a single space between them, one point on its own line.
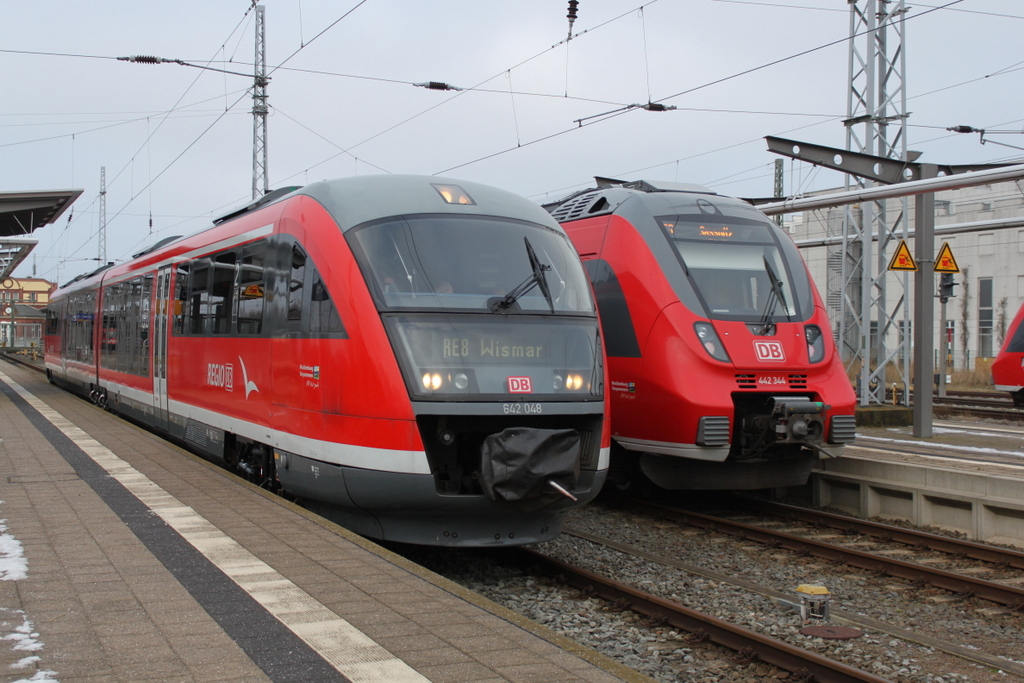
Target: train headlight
443 382
815 343
710 341
570 381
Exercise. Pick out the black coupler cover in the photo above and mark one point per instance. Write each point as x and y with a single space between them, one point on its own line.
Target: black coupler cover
517 464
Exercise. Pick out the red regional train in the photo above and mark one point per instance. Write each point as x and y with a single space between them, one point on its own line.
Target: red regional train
723 372
1008 367
416 358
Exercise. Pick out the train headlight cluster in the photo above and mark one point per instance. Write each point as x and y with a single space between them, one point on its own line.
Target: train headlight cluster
571 381
446 381
815 343
710 341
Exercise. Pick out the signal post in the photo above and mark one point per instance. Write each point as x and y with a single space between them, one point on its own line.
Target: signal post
946 266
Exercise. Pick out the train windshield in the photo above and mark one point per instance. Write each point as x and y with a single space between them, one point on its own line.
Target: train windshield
738 267
473 357
471 263
477 263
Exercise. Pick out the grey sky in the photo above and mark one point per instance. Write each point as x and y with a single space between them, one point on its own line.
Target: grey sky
62 118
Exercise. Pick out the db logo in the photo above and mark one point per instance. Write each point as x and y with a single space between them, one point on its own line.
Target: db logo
770 351
520 385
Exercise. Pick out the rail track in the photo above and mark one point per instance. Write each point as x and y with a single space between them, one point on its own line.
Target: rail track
748 645
998 556
962 585
735 637
990 405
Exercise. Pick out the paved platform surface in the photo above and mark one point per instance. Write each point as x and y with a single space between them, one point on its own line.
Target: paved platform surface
124 558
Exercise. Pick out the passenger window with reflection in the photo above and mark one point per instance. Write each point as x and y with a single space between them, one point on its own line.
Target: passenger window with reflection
251 290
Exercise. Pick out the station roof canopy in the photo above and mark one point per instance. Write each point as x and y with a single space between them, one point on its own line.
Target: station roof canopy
21 213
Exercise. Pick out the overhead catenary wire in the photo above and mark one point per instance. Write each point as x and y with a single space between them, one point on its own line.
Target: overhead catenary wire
616 113
150 135
205 131
519 81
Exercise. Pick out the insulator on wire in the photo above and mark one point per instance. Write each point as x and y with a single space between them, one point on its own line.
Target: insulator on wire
571 16
141 59
656 106
436 85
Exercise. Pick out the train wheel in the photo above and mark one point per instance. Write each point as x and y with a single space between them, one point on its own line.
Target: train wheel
1018 398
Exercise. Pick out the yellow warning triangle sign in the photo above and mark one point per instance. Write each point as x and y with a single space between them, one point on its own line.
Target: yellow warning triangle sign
902 260
944 262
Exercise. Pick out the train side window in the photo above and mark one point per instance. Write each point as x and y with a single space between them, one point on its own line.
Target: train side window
125 326
296 283
52 316
180 298
1016 344
323 315
142 358
252 289
108 331
222 292
79 340
199 296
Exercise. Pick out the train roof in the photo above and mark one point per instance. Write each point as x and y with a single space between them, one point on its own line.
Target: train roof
357 200
354 201
661 197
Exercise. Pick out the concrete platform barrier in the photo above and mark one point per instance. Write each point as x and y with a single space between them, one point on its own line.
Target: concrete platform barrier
986 507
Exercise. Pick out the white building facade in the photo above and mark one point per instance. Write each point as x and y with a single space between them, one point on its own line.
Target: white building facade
990 285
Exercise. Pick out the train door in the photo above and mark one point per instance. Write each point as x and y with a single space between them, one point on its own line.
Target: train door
160 317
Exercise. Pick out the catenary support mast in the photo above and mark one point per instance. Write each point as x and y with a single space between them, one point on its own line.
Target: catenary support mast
102 255
259 110
869 304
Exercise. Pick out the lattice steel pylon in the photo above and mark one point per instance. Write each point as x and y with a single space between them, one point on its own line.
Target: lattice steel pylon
102 255
259 110
874 303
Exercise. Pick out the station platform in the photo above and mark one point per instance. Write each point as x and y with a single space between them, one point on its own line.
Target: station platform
967 478
124 558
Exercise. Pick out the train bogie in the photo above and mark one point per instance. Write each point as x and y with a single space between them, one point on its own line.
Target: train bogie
360 345
723 374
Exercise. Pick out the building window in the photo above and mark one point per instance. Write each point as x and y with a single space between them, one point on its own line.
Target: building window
985 317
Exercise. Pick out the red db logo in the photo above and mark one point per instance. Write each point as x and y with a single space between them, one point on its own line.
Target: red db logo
520 385
769 351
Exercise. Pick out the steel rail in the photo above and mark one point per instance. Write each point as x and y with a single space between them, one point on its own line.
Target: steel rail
888 532
966 586
839 616
1009 413
749 645
968 401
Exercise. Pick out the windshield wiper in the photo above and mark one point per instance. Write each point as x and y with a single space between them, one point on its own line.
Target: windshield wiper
774 297
537 279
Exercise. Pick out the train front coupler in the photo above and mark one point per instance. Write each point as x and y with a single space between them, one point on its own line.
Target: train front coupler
530 469
795 419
